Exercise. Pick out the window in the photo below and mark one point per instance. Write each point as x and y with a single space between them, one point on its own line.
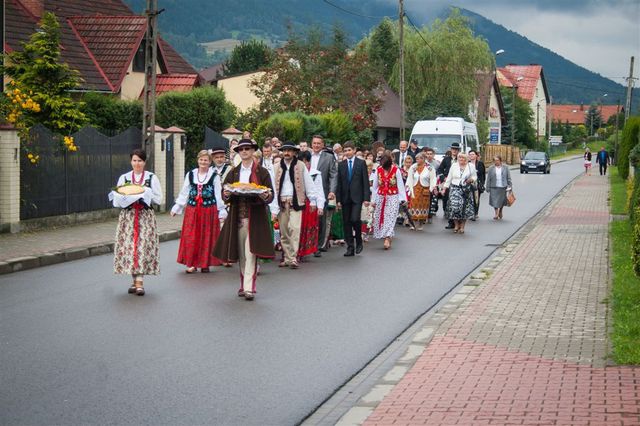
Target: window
138 59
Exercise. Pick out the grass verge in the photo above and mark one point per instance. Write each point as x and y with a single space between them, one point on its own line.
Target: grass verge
618 192
625 296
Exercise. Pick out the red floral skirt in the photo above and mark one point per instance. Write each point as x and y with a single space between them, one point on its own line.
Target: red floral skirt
200 230
308 231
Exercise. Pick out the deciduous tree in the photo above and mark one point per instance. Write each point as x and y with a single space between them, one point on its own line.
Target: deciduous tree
248 56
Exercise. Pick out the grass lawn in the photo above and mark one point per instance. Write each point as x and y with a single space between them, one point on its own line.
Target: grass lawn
625 297
625 291
593 146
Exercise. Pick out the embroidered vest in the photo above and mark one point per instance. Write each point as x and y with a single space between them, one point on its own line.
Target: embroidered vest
299 194
387 182
202 194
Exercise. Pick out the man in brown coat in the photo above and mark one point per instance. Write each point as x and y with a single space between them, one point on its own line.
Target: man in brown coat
246 234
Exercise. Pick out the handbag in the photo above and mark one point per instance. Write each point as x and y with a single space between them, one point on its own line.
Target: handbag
511 198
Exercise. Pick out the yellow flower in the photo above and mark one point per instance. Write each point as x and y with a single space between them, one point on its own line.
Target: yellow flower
37 157
33 161
17 90
30 155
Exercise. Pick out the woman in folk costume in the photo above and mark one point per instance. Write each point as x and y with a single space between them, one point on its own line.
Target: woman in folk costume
246 234
460 206
137 243
201 201
310 225
421 182
388 192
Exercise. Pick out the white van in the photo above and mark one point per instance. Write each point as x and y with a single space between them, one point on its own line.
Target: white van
440 133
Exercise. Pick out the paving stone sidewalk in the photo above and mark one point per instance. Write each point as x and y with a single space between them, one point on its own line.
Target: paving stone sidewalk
28 250
523 342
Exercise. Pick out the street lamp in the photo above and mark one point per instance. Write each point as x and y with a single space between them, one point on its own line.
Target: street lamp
513 111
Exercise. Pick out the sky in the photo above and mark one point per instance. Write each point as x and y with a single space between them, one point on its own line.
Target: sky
600 35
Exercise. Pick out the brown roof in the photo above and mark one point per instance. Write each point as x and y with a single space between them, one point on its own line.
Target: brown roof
211 74
576 114
486 81
83 24
389 114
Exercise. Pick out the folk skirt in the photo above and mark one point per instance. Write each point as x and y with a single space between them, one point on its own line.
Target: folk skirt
137 245
309 228
420 203
337 225
460 205
384 221
200 230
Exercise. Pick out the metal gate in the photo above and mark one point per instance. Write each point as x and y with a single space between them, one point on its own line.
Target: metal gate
169 147
213 138
62 182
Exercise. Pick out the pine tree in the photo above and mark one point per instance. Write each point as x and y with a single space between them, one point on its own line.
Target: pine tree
248 56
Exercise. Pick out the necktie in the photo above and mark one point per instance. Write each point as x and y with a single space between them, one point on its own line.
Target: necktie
350 169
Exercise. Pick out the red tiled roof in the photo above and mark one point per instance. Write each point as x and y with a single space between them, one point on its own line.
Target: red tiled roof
508 76
100 70
111 41
575 114
175 83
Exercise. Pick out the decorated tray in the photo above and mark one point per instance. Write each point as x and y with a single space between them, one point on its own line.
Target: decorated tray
246 188
130 189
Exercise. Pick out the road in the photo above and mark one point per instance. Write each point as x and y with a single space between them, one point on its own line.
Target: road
75 348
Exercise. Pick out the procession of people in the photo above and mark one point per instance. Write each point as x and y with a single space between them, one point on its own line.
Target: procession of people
245 204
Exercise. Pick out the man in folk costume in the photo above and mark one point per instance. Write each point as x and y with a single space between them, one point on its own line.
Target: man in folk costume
294 186
246 234
443 172
326 164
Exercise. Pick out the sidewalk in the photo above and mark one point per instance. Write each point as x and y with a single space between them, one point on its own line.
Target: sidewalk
525 340
28 250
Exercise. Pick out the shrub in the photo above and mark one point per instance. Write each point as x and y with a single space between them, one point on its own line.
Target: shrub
109 113
286 126
338 126
192 111
630 136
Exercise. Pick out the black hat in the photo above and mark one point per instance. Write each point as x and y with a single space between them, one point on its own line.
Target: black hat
219 147
455 145
245 142
289 145
413 141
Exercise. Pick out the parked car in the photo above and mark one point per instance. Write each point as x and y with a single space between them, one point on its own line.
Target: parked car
535 161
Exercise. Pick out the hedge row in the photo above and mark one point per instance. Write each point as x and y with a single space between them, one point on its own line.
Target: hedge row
630 138
333 126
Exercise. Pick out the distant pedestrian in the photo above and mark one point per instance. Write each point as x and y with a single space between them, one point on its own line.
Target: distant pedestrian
450 158
421 182
201 201
136 250
459 180
498 183
587 162
243 240
603 160
310 225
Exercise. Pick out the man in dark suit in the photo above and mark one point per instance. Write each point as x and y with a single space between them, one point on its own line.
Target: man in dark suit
401 155
327 165
443 172
603 160
353 191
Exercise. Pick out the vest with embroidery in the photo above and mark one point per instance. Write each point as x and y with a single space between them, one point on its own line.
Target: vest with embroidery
201 193
299 194
387 182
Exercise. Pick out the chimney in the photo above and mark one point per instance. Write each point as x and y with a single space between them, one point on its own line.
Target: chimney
581 106
35 7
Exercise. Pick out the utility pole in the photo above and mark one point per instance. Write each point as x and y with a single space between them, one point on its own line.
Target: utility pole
630 79
150 60
401 37
513 115
615 145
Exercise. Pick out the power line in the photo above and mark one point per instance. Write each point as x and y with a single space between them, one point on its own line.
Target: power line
353 13
418 31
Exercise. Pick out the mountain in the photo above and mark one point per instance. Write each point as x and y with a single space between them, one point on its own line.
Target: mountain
186 23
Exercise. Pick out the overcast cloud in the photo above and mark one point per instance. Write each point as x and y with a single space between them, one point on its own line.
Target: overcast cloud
600 35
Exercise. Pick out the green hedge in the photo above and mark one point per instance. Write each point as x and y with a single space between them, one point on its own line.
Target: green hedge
635 244
334 126
111 114
630 136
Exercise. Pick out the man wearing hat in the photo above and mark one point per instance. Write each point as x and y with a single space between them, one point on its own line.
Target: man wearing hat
443 172
293 186
243 240
413 149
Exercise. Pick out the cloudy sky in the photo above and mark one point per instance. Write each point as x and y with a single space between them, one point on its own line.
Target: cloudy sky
600 35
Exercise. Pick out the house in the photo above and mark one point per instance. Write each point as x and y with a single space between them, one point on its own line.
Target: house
489 106
576 114
529 82
237 89
104 41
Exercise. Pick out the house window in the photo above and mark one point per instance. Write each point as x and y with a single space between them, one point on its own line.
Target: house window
138 59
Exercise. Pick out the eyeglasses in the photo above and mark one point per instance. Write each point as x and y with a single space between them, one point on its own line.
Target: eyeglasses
244 148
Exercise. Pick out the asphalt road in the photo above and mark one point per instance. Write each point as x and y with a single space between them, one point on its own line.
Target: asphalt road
75 348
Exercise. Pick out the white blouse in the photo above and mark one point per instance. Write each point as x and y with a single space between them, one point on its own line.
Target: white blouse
427 178
402 193
458 176
316 177
150 195
183 197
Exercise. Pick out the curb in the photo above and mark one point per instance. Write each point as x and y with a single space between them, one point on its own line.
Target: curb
377 379
76 253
